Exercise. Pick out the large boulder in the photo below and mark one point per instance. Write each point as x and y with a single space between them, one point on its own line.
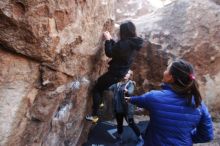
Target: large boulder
188 29
41 29
51 53
131 9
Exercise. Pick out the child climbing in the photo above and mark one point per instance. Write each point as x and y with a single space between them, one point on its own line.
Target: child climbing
122 54
122 109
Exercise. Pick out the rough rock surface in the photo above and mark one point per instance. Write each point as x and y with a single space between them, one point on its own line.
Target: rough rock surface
41 29
127 9
51 53
18 78
132 8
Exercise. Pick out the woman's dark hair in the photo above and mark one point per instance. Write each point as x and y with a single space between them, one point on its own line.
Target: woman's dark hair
184 81
127 30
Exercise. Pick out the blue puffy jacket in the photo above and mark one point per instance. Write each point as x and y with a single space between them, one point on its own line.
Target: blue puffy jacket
172 121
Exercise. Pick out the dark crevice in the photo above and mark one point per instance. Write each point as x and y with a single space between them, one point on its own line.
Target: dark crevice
55 69
35 120
12 51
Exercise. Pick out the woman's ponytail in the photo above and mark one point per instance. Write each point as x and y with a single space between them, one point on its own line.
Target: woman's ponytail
196 93
185 82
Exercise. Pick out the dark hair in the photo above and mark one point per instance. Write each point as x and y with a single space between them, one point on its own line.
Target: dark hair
184 81
127 30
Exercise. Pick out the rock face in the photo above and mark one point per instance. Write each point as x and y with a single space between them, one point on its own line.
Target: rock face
41 29
132 9
51 53
18 78
188 29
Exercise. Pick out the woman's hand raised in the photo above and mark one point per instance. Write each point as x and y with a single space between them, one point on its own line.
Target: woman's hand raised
107 35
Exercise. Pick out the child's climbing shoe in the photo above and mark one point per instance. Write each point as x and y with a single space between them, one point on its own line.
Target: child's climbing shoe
92 118
101 105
